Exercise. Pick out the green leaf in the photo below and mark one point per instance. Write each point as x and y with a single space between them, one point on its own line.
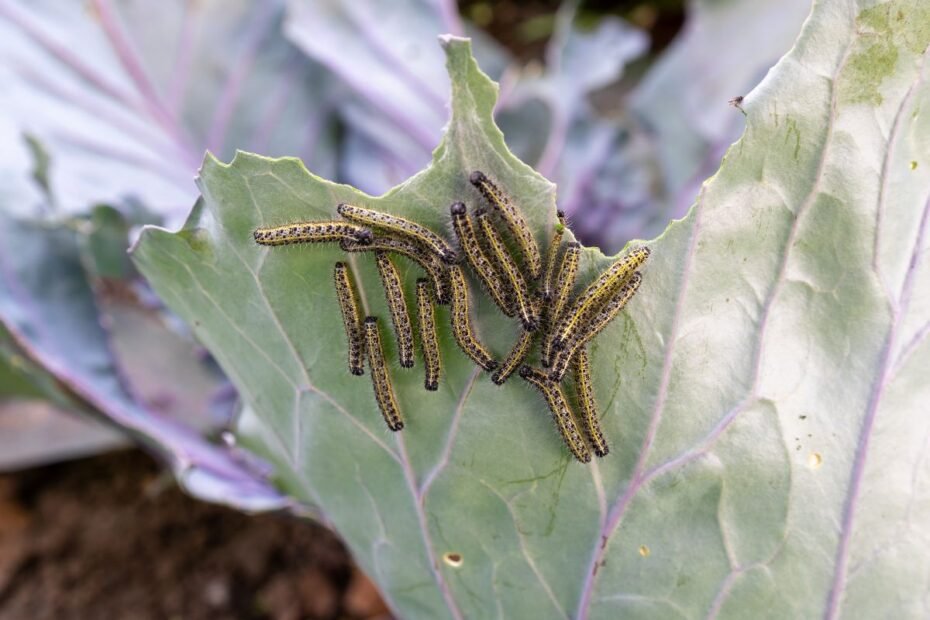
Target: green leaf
762 393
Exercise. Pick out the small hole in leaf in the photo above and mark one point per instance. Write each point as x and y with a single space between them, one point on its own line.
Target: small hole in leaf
453 559
644 551
815 460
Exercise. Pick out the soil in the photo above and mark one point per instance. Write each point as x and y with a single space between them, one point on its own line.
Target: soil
113 537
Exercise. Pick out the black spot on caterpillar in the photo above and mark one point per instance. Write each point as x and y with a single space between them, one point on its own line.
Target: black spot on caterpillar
591 325
384 391
558 405
513 361
400 317
312 232
506 266
476 257
596 294
564 283
512 218
552 257
429 341
462 329
351 317
400 226
584 387
429 262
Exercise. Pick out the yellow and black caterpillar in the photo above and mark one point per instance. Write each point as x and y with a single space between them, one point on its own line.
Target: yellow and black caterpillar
538 294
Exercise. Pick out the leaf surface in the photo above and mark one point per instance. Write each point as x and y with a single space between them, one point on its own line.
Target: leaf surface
762 393
126 96
53 338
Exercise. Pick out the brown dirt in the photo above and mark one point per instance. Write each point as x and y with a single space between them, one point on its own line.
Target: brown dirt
112 537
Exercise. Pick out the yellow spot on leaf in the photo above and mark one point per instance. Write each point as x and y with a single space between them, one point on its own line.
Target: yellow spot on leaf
815 460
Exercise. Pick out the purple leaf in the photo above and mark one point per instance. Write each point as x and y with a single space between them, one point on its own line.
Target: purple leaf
126 96
49 311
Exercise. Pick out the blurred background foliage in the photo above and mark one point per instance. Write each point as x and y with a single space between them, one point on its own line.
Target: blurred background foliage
107 106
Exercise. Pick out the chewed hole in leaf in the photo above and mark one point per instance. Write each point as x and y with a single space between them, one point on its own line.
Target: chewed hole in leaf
453 559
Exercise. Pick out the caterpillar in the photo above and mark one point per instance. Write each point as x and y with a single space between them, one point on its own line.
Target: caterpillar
312 232
428 261
589 328
384 391
429 341
584 387
506 266
462 329
596 294
555 398
351 318
474 253
400 226
564 283
394 293
513 361
552 257
513 219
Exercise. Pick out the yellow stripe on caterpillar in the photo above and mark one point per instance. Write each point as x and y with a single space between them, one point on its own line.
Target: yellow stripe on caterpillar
400 226
515 359
312 232
507 267
400 317
429 341
381 380
513 219
596 294
351 317
589 328
558 405
429 262
565 282
584 388
462 329
474 254
552 258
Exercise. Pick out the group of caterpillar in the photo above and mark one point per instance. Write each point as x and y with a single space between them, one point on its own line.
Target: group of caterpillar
544 312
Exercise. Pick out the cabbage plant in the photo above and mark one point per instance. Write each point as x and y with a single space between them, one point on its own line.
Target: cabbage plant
763 393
